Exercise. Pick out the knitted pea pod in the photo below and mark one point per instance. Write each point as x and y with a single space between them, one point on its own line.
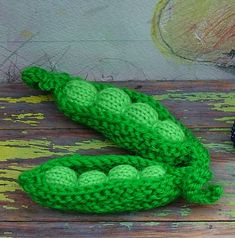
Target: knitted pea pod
136 122
132 120
105 184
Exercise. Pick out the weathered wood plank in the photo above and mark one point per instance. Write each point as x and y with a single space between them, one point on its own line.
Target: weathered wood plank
22 150
30 144
197 104
25 144
118 229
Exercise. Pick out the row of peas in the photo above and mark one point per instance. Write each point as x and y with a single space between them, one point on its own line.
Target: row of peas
116 101
66 177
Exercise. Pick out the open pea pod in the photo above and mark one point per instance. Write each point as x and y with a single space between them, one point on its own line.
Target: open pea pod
54 185
132 120
136 122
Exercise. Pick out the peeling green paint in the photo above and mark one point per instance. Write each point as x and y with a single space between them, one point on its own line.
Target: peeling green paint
219 129
8 182
230 213
9 208
32 119
232 203
228 120
129 225
185 211
7 234
224 102
28 99
175 225
221 147
32 149
163 213
152 223
173 90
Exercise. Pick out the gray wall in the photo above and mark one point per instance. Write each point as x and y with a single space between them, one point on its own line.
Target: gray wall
98 39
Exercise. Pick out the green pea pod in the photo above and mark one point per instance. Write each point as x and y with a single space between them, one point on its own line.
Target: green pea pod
136 122
118 195
163 138
107 197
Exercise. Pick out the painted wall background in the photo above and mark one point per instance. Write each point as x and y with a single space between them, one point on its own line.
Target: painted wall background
114 39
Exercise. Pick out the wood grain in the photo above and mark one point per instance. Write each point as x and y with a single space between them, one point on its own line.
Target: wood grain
119 229
32 131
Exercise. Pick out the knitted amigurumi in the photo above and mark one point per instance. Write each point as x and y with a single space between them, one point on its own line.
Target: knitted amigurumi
169 162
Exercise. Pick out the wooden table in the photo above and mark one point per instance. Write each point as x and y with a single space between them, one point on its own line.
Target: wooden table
32 131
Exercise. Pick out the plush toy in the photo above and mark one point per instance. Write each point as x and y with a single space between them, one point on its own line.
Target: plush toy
169 161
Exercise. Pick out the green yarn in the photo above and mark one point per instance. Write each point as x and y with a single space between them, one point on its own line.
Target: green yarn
118 195
61 176
154 171
91 177
115 195
112 100
142 113
169 131
136 122
123 172
80 93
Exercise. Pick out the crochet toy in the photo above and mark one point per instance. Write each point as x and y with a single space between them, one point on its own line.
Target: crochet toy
169 161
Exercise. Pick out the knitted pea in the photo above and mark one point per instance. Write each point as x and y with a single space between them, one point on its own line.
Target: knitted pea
91 177
79 93
142 113
169 131
154 171
112 100
123 172
60 176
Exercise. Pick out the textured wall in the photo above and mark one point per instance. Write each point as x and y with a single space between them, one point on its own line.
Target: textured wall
98 39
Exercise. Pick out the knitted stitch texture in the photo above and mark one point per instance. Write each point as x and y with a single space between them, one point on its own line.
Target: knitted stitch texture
112 195
91 177
123 172
136 122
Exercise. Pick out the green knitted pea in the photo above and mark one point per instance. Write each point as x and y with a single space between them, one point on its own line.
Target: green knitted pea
112 100
91 177
169 131
80 93
61 176
154 171
142 113
123 172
